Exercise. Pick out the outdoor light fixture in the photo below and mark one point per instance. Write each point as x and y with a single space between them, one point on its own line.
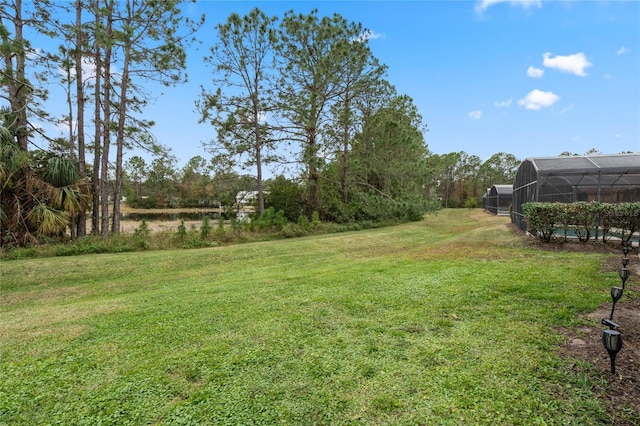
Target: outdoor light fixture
612 341
624 274
616 294
625 249
612 325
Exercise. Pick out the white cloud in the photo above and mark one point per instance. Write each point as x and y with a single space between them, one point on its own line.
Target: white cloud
574 64
567 109
608 76
537 99
483 5
88 70
367 35
623 50
618 135
502 104
535 72
475 115
34 53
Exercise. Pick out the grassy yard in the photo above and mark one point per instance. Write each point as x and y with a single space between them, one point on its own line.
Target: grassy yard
446 321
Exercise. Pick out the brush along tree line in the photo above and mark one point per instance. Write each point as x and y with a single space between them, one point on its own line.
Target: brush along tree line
584 220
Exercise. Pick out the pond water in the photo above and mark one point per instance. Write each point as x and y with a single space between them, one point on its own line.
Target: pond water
169 216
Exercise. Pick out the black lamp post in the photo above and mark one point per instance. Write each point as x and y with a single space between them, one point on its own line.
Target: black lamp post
624 274
612 341
616 294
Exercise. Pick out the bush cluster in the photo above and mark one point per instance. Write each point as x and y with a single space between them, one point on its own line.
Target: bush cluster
584 220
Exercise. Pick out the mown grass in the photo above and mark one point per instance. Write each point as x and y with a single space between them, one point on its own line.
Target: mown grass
446 321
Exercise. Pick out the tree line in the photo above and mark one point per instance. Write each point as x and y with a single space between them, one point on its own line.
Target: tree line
301 91
105 52
454 180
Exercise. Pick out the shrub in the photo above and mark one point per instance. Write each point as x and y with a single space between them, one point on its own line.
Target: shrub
292 230
315 219
220 230
205 229
141 235
182 230
542 219
303 221
621 220
270 219
471 203
626 218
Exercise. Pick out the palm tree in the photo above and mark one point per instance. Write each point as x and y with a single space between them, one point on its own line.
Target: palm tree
39 192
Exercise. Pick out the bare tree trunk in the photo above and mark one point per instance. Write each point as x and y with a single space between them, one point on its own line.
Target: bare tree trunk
95 180
81 225
122 111
313 179
258 155
106 133
72 144
345 149
19 89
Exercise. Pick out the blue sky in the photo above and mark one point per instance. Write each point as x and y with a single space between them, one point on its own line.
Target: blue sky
530 78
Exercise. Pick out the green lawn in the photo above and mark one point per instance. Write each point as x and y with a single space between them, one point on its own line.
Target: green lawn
446 321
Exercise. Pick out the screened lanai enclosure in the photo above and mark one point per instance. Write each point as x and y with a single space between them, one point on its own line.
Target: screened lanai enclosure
604 178
499 198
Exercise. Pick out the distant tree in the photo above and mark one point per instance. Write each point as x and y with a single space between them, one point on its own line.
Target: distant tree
162 180
467 186
394 156
227 184
240 106
286 195
445 174
312 52
592 151
389 165
362 77
196 187
137 170
499 169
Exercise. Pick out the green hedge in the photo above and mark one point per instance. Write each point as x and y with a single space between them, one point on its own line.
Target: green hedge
585 220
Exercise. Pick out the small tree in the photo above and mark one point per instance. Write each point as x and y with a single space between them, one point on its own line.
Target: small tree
241 102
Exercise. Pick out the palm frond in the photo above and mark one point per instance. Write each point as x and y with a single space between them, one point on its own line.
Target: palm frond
5 135
12 159
74 200
47 220
62 171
